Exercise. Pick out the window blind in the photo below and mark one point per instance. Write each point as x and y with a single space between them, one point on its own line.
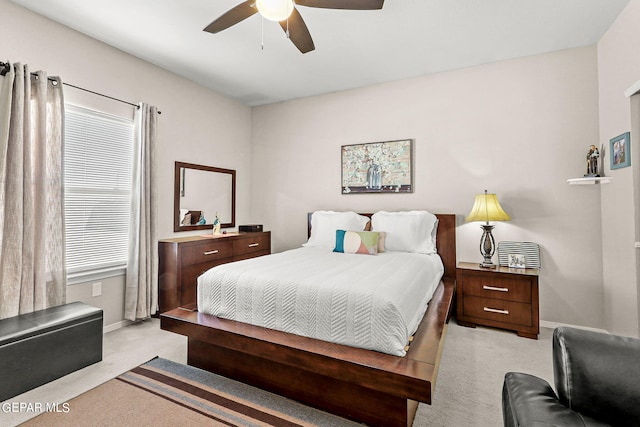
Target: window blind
97 175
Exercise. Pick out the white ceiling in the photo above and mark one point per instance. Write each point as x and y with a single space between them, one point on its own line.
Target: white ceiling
407 38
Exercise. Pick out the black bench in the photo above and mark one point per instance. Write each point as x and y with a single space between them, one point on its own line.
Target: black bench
39 347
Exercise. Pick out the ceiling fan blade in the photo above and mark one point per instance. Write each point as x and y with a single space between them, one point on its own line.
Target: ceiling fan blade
343 4
298 32
232 17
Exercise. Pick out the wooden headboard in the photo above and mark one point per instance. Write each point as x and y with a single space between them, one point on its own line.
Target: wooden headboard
445 240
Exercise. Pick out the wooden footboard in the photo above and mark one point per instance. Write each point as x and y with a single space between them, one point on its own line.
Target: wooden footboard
362 385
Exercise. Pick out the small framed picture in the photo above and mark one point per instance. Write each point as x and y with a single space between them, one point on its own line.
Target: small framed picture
517 261
620 151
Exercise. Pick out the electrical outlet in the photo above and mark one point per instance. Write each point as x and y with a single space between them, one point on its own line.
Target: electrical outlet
96 289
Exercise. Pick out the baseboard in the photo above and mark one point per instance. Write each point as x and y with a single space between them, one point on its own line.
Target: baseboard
553 325
115 326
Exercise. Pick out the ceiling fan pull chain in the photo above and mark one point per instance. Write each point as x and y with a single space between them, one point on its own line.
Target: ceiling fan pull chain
262 30
288 27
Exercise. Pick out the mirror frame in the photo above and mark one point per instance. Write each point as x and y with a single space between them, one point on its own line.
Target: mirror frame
176 197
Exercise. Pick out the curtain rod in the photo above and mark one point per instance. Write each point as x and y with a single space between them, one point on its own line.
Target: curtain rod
101 94
4 68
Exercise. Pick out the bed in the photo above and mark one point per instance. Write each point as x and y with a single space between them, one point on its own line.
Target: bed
357 383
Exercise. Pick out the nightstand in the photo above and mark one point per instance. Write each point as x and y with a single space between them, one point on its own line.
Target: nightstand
504 298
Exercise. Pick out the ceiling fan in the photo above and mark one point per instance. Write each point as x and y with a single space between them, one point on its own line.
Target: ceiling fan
286 13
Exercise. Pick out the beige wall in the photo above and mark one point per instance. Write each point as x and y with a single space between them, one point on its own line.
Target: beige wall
196 125
517 128
618 69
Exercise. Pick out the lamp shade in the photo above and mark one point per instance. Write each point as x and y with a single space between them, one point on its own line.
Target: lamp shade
487 208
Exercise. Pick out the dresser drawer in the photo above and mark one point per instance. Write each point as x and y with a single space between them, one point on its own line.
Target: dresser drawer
511 288
511 312
206 252
259 242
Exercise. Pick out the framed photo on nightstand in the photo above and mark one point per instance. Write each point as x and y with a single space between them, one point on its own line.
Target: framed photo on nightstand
517 261
519 254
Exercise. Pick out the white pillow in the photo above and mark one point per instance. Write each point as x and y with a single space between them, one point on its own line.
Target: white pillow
409 231
325 223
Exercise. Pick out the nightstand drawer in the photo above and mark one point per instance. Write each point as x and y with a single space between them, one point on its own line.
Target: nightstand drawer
495 286
259 242
498 310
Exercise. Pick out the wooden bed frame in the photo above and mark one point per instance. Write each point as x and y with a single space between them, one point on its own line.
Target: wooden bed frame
362 385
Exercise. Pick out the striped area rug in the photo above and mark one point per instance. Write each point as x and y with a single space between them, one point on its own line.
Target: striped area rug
165 393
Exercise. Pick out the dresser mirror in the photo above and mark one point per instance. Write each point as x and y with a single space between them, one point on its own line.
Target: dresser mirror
201 192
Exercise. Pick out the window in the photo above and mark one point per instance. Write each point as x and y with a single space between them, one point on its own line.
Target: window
97 174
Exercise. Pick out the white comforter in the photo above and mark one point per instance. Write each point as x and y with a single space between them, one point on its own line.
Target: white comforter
372 302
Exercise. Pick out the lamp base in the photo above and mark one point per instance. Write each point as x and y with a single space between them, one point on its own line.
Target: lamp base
487 247
488 265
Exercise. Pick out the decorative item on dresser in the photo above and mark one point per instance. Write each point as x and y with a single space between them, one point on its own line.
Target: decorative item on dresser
183 259
250 228
504 298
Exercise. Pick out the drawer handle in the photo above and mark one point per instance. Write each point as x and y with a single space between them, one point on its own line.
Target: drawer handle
494 310
253 245
493 288
211 252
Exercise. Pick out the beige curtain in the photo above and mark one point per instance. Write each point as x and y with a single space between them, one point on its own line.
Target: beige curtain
32 275
141 296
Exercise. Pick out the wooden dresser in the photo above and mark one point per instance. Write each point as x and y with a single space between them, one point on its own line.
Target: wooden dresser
181 260
504 298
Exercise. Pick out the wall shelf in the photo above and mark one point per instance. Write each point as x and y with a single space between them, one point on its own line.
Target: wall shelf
590 180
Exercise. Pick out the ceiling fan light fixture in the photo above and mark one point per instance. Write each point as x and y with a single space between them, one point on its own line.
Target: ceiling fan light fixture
275 10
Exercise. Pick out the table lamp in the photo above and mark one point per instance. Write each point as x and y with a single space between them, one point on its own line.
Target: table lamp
487 208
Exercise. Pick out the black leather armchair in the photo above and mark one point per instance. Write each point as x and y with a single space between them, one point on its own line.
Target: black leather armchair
597 378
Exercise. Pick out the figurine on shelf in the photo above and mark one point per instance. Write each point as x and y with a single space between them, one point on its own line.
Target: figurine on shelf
216 224
592 161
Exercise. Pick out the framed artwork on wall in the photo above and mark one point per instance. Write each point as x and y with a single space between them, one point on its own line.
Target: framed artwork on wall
620 151
378 167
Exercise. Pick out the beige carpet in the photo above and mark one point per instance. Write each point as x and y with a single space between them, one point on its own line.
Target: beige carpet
474 361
